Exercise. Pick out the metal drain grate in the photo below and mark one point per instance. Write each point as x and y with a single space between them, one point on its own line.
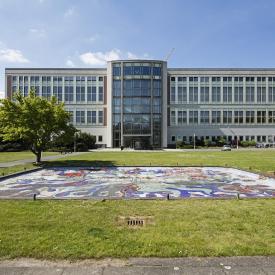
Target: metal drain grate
131 222
135 221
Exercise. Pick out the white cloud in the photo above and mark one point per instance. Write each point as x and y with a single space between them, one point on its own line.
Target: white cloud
70 63
69 12
38 32
12 56
100 58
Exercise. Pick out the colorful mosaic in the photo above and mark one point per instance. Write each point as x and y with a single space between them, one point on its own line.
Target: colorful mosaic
138 182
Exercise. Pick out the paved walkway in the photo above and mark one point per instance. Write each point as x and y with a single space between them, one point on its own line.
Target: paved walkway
24 161
137 266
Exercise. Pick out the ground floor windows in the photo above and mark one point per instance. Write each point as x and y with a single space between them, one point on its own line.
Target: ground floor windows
225 139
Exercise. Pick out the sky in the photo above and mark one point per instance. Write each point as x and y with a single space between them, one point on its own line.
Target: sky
87 33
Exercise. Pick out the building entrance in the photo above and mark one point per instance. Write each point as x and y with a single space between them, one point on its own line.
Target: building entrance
137 142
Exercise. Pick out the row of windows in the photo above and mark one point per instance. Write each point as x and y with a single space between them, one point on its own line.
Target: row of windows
206 79
137 87
94 117
258 138
80 93
182 117
33 78
137 70
238 94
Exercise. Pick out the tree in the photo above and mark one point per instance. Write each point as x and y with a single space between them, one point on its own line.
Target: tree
33 119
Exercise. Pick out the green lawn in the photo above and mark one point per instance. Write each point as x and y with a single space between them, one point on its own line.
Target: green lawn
79 229
85 229
262 161
257 160
12 156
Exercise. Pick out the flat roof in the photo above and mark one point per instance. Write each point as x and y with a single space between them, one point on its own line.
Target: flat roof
221 69
58 69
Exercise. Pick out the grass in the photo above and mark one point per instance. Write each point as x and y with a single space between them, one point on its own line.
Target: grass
77 230
260 161
13 156
256 160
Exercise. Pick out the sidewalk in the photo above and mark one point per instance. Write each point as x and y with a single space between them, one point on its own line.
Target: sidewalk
24 161
136 266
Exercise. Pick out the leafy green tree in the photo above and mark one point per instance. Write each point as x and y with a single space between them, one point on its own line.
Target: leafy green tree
33 119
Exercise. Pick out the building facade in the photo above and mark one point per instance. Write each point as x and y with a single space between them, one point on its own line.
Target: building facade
144 104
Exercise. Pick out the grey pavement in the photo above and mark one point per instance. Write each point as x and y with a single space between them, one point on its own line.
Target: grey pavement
24 161
135 266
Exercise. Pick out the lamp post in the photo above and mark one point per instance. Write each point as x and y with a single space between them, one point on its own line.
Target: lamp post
194 141
75 135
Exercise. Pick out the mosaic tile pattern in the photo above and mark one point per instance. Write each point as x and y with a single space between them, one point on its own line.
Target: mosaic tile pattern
138 182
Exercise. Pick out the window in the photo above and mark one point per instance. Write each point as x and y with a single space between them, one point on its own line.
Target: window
261 117
99 138
69 93
100 78
91 93
249 79
91 117
261 94
238 117
216 117
216 94
100 117
173 118
116 88
46 91
80 94
227 117
216 79
173 95
181 79
204 119
238 94
80 117
271 117
193 117
173 138
193 79
172 78
182 94
116 71
227 79
227 94
249 94
57 92
156 70
205 94
260 79
204 79
182 117
100 93
249 117
156 87
238 79
271 94
193 94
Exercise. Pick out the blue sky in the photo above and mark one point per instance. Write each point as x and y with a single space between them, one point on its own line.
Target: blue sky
86 33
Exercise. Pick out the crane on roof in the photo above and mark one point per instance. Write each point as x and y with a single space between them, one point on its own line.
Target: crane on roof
169 54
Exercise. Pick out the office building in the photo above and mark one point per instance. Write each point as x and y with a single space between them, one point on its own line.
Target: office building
144 104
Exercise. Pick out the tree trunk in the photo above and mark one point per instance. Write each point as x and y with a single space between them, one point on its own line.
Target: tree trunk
38 157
